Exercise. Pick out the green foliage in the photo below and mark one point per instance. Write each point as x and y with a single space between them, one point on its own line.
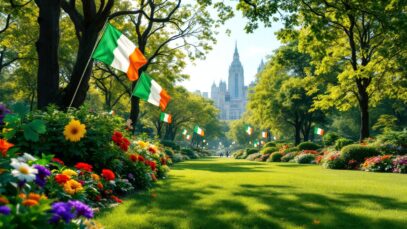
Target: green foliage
330 138
333 160
395 139
30 129
305 158
269 144
292 149
276 157
251 151
358 152
190 153
341 142
385 123
253 156
308 146
170 144
289 156
269 150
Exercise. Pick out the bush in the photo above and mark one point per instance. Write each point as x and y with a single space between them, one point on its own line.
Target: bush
170 144
269 144
308 146
237 154
378 164
358 152
305 159
394 142
330 138
275 157
169 152
289 156
269 150
190 153
265 157
253 156
292 149
333 160
341 142
400 164
251 151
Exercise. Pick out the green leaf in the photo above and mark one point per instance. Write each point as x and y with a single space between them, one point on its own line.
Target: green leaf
33 129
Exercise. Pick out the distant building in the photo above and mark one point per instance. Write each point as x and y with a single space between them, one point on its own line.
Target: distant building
205 95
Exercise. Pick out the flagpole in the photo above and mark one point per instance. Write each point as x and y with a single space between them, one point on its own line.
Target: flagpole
87 63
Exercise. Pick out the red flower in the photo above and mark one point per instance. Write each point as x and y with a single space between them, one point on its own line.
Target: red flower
108 174
117 199
152 164
61 178
84 166
57 160
5 146
140 158
117 136
133 157
98 198
152 150
163 161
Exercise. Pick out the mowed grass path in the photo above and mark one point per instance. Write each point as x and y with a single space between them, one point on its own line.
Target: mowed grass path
227 193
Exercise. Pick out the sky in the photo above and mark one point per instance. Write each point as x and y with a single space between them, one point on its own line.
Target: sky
252 49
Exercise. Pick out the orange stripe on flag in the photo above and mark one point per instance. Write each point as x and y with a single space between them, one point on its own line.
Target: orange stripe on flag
137 60
165 98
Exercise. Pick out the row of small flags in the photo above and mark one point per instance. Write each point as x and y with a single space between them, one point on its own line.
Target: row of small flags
197 130
264 134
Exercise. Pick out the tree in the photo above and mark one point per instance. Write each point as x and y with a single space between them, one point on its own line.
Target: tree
365 37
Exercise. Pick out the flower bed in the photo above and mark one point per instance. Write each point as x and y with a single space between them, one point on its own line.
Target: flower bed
95 163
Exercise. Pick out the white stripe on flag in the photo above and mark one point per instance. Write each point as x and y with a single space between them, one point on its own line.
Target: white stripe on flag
155 91
122 53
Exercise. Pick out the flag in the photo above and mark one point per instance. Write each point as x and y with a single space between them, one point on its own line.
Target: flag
188 137
164 117
184 132
150 91
118 51
199 131
275 138
249 130
319 131
264 134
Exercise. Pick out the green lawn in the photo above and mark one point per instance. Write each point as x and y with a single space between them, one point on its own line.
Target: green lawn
228 193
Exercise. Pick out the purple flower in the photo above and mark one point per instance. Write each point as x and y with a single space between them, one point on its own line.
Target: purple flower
43 173
5 210
81 209
3 112
61 211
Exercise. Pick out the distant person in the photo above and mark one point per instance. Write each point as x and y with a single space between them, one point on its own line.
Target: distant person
227 153
221 154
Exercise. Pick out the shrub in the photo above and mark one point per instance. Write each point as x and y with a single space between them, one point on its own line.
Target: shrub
358 152
251 151
289 156
190 153
265 157
308 146
394 142
253 156
269 144
378 164
237 154
330 138
333 160
292 149
269 150
341 142
170 144
305 159
400 164
169 152
275 157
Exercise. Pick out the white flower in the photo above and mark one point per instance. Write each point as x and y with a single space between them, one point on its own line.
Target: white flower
23 171
26 158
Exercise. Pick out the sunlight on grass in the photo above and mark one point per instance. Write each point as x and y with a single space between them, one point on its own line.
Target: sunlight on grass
227 193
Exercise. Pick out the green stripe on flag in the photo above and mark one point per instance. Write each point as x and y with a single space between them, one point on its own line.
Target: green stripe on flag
106 46
162 116
143 87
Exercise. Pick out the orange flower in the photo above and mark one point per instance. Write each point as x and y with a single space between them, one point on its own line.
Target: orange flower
22 195
95 177
34 196
5 146
3 200
30 202
100 185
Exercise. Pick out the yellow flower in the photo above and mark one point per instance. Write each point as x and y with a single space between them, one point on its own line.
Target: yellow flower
142 144
72 186
95 177
91 224
74 131
69 173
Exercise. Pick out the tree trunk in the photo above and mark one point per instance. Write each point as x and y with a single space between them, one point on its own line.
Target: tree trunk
86 45
47 49
297 134
364 116
134 110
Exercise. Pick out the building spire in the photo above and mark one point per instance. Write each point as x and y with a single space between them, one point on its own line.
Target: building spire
236 54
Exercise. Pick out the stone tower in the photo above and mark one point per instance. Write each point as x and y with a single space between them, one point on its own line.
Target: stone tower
236 77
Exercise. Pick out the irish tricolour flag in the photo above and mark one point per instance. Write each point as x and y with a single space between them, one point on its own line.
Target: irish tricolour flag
150 91
249 130
264 134
198 130
118 51
319 131
164 117
184 132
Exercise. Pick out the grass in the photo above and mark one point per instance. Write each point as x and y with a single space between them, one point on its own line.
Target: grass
226 193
